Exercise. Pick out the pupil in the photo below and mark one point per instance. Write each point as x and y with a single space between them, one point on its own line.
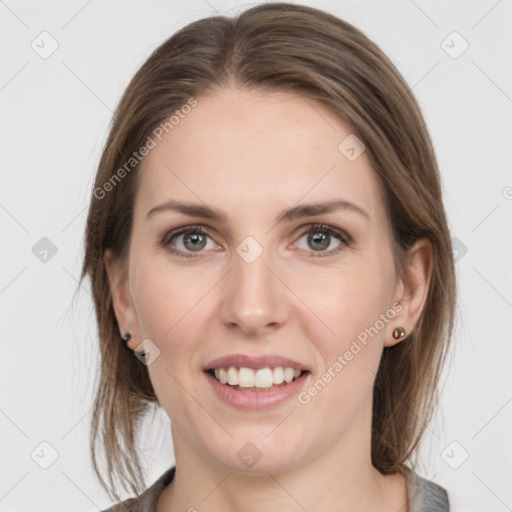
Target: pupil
322 239
194 238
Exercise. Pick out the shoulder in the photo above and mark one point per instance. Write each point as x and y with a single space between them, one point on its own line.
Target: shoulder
145 502
426 496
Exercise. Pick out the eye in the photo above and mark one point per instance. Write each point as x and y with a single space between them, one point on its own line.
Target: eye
189 239
319 238
324 240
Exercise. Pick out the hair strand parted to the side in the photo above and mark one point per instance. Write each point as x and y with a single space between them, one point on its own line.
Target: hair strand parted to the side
303 50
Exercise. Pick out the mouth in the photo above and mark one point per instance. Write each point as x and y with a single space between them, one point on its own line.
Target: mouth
256 380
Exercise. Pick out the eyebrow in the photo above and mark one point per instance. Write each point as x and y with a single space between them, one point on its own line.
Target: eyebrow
291 214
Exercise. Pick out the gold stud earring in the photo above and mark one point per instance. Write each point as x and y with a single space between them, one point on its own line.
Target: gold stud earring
399 333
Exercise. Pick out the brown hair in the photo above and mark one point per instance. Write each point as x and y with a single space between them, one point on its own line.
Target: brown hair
303 50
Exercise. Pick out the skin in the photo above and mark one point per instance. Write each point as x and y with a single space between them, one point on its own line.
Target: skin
252 155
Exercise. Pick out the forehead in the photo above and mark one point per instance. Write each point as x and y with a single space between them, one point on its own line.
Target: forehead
246 148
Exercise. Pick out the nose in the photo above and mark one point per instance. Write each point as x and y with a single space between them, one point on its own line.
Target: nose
254 298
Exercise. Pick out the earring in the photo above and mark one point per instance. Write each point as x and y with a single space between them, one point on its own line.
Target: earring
125 339
399 333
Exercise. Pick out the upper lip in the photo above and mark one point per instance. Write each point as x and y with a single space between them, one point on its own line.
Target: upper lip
240 360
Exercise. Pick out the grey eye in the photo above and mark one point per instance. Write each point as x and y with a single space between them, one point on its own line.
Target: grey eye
194 241
191 241
319 241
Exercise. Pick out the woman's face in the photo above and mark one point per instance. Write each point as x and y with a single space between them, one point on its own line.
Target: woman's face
262 286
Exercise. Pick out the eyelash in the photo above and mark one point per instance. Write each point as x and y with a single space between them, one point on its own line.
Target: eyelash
346 240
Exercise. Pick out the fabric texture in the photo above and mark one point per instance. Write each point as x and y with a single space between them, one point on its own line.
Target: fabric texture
424 496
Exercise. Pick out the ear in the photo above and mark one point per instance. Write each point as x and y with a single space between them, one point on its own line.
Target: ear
121 297
412 289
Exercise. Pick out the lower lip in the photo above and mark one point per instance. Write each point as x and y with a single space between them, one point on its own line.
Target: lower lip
256 399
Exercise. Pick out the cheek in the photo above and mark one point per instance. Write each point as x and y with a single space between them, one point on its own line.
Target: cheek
355 305
166 299
170 310
352 301
349 358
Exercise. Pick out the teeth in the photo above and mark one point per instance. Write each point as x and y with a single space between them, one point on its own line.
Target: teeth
263 378
246 378
288 374
278 375
232 376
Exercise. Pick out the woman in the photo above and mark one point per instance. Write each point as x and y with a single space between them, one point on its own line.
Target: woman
271 264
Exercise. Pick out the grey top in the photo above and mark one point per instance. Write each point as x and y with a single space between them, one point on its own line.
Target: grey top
424 496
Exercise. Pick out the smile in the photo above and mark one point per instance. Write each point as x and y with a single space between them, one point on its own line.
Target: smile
256 381
247 379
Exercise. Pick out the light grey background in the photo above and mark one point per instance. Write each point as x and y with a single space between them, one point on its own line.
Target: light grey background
54 118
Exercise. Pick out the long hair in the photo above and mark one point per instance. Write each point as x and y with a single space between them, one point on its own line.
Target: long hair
281 47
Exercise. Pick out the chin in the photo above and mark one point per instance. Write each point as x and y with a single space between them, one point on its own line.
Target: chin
256 453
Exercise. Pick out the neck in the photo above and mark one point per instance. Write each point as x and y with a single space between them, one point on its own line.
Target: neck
339 479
